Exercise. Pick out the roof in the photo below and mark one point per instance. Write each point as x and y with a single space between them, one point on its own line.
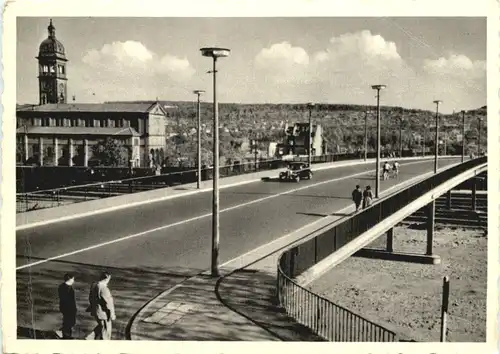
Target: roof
79 131
91 107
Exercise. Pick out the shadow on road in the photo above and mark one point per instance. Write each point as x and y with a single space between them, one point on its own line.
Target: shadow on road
325 215
37 301
294 195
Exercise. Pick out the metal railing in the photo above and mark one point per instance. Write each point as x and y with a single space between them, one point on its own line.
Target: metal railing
328 320
50 198
338 234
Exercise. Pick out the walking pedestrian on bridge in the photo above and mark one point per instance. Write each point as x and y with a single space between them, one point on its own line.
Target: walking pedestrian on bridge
357 197
367 197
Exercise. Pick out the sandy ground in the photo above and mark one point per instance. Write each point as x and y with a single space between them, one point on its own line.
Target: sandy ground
406 297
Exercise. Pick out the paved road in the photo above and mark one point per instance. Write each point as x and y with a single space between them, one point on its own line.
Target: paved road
151 248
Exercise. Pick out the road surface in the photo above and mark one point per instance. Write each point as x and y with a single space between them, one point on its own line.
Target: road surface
153 247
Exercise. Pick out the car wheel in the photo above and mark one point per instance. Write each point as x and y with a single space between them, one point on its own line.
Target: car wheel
309 175
297 179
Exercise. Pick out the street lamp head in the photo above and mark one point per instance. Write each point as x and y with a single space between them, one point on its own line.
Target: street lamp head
199 92
215 52
379 87
437 101
310 104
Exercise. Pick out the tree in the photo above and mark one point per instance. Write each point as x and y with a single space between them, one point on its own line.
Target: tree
20 158
110 152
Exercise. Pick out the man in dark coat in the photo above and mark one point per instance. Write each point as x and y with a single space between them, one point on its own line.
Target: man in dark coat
67 305
357 197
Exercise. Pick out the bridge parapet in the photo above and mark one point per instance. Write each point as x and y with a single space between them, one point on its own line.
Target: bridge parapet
308 260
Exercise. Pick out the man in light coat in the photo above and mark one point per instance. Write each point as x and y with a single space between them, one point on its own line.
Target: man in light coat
102 308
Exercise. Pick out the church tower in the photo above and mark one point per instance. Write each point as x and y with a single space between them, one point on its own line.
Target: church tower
52 60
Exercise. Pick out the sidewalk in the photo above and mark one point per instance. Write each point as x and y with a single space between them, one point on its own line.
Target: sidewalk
238 306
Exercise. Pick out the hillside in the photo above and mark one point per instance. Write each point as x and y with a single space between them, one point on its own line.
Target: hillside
343 125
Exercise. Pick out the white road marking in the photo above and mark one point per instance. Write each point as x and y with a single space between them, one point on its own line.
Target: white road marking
164 227
196 191
284 237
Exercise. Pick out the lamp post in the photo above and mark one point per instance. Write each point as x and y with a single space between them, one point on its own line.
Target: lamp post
198 116
479 136
423 139
377 169
463 136
366 134
215 53
436 144
401 119
309 150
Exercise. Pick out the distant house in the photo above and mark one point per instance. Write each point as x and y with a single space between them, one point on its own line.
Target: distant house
297 140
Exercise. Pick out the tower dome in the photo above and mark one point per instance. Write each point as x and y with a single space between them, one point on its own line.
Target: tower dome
51 46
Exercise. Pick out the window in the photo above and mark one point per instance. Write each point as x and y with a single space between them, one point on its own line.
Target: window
103 123
73 122
59 122
118 123
45 68
45 122
89 123
52 69
61 69
32 121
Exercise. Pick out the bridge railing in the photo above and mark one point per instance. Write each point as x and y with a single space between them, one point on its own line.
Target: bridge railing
292 296
50 198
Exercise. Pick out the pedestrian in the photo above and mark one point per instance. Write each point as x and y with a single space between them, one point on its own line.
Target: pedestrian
367 197
101 308
67 305
357 197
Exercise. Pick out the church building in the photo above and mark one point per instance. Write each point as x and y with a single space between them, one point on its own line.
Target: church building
61 133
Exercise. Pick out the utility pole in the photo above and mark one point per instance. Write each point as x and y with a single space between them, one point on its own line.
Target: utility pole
436 145
366 134
198 116
479 136
401 136
377 169
463 136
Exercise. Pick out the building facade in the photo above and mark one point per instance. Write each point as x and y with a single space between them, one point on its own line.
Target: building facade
55 132
64 134
297 140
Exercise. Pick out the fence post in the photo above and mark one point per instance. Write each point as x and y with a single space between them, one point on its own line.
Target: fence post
431 212
444 307
390 240
448 200
474 190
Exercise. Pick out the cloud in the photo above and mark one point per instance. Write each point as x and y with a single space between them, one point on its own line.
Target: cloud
133 59
282 62
456 65
344 70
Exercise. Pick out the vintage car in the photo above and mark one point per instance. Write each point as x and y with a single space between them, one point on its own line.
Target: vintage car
296 171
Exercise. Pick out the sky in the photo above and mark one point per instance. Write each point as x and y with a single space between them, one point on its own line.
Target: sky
272 60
